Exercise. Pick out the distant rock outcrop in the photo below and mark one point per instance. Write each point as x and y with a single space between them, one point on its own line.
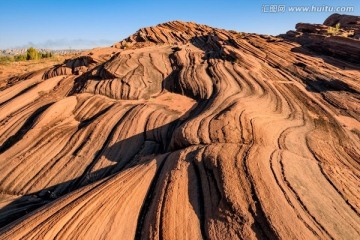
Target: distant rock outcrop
347 22
341 42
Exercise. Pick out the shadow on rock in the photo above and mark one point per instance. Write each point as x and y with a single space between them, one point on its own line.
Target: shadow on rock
322 85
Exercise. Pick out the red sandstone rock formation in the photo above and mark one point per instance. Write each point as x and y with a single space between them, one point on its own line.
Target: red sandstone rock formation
183 131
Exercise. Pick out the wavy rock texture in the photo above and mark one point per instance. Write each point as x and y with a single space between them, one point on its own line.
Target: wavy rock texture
183 131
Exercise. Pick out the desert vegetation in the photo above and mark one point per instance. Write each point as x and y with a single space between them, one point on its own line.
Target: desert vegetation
31 54
334 30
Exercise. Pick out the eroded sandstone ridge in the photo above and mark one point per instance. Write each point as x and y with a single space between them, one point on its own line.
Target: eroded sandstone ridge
338 36
183 131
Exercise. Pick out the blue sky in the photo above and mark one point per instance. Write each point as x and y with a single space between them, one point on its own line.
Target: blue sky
61 24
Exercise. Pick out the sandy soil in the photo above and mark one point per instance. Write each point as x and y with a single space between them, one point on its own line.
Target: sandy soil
12 69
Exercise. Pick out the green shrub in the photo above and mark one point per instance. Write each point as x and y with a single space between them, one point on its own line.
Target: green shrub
6 59
334 30
337 26
32 54
46 55
19 58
